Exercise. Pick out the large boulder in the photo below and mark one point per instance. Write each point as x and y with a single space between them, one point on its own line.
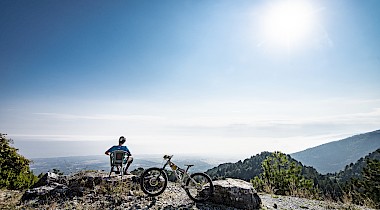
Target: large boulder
235 193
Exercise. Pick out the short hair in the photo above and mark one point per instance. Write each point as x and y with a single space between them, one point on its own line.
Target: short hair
122 140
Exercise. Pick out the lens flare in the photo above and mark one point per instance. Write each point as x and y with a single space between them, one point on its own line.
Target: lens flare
288 23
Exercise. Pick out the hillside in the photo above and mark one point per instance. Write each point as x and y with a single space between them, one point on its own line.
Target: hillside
251 167
245 170
334 156
329 185
354 170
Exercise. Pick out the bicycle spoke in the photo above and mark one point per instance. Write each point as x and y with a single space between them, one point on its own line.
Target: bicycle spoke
199 187
153 181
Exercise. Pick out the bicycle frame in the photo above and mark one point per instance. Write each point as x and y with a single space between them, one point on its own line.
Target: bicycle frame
154 181
180 173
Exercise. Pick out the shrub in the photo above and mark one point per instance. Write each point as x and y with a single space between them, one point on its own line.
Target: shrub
14 168
281 176
366 190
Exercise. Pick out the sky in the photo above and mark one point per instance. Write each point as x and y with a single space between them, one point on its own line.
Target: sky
217 78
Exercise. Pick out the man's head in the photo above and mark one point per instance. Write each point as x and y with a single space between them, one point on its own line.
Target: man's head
122 140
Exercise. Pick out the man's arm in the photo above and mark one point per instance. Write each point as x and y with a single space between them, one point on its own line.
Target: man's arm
127 151
108 151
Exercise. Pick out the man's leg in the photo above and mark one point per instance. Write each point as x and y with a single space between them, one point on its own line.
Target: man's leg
129 161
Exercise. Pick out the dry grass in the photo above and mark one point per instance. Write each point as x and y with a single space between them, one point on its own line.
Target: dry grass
9 199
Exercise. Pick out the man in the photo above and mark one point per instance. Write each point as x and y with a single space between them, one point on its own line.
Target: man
128 158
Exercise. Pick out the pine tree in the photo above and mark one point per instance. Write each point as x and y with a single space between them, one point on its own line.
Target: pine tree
281 176
367 189
14 168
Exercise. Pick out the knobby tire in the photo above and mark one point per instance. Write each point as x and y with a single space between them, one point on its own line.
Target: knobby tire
202 190
153 181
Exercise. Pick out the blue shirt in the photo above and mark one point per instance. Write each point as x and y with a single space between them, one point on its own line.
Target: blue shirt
123 148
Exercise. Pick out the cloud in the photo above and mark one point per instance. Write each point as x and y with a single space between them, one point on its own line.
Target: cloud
281 127
42 137
100 117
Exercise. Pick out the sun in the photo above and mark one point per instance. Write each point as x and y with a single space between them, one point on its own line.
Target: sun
287 23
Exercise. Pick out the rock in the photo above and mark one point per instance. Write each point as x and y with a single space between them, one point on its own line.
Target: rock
46 179
49 185
235 193
52 186
53 189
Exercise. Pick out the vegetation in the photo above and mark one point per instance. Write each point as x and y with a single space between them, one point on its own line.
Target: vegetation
279 173
353 170
14 168
282 176
244 170
365 190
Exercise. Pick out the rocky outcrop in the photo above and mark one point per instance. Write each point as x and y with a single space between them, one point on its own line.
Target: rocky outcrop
235 193
95 190
47 186
53 186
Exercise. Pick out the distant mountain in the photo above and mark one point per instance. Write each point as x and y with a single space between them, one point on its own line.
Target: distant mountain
334 156
73 164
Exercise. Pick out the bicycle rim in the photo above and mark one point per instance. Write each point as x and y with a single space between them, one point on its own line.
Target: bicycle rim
153 181
199 187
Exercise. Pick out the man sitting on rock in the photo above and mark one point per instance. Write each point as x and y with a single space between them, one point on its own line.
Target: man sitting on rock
128 158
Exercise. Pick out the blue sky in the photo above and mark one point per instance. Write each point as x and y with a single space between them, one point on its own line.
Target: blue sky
174 75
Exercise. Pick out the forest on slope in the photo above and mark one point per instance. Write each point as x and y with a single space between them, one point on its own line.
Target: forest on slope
355 181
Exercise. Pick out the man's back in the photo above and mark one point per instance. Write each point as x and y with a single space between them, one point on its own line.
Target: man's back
118 147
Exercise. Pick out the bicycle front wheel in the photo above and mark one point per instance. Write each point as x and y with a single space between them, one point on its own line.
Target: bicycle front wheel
153 181
199 187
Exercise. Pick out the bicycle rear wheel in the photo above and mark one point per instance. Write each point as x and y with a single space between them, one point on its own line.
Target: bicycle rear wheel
153 181
199 187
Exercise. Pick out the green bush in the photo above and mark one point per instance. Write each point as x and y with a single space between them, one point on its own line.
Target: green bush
14 168
281 176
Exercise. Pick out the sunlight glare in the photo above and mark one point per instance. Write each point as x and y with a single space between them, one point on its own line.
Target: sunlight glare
288 23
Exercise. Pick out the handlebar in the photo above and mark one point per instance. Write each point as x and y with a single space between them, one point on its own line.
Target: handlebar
168 157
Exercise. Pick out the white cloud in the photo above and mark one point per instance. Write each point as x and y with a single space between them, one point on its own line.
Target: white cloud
100 117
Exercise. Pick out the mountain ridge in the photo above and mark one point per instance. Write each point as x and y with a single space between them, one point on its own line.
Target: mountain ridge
334 156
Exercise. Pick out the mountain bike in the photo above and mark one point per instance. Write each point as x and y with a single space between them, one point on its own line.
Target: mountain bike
198 186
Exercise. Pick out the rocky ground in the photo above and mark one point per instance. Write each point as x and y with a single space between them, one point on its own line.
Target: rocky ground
127 195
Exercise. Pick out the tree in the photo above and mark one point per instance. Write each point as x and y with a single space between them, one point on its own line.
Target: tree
366 190
371 176
14 168
281 176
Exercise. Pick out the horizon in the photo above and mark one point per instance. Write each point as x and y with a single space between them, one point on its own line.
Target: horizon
222 78
23 148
